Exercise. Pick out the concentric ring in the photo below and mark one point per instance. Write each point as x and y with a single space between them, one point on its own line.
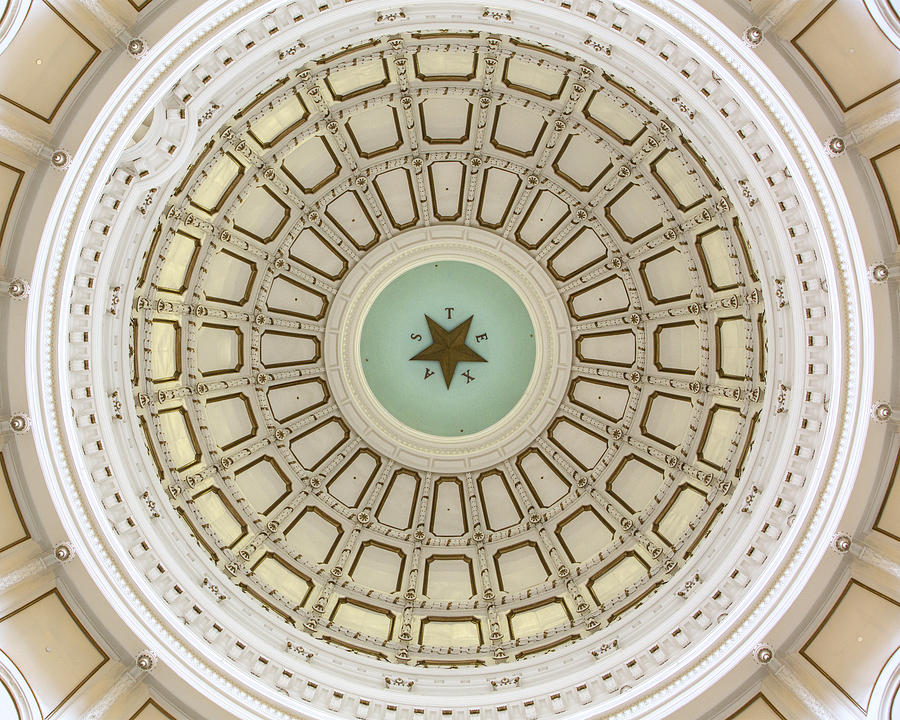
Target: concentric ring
472 451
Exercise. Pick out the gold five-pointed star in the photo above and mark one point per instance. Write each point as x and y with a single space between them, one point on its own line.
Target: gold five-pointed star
449 347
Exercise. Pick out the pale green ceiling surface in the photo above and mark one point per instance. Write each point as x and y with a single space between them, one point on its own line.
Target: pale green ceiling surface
395 330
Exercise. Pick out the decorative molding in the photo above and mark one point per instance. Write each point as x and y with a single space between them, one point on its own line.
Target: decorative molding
752 36
835 146
17 288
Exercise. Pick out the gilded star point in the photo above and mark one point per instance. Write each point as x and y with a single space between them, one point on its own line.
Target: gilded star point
448 347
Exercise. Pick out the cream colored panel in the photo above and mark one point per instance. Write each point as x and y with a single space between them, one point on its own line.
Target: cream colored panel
849 52
349 214
544 215
397 506
313 447
611 581
606 297
666 277
179 262
395 191
447 181
731 347
610 114
582 161
440 65
523 623
292 399
10 181
50 648
584 447
230 420
222 518
445 119
379 567
313 251
278 122
677 347
498 191
12 527
314 536
888 520
180 438
609 348
229 278
261 215
520 567
350 483
545 482
634 213
583 534
606 399
685 506
294 586
311 164
887 169
43 62
716 261
263 483
288 296
450 633
721 425
859 635
283 348
218 349
498 502
448 512
577 254
375 131
376 623
666 418
517 130
357 78
165 346
218 183
537 79
634 482
684 190
448 578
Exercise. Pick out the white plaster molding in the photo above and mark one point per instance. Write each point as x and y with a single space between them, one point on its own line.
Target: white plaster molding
11 19
28 570
23 696
751 617
886 16
799 689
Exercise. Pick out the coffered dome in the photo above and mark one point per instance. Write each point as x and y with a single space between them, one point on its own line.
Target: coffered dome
652 396
451 360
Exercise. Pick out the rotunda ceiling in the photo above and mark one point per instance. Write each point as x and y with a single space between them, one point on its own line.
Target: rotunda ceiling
316 263
653 422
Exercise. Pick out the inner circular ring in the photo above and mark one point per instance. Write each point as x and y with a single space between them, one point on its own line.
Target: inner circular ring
466 451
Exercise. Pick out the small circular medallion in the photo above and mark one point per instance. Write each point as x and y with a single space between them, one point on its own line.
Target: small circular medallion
448 348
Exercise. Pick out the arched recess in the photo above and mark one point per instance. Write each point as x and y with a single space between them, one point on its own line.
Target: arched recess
16 698
884 704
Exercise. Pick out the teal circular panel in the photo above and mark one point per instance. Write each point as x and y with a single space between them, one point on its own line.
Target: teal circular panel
396 330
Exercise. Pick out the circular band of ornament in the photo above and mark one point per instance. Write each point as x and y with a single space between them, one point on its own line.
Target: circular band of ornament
423 451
